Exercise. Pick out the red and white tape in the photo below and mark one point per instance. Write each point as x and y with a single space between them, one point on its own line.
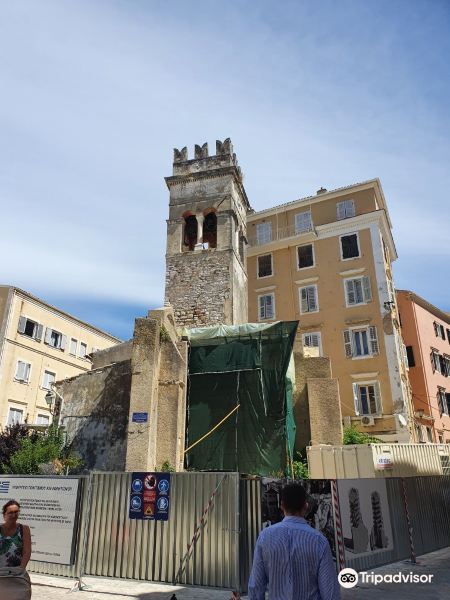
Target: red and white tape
340 550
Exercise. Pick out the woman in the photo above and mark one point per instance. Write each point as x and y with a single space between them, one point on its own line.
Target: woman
15 552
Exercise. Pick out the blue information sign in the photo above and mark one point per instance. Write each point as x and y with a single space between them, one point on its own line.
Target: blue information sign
139 417
149 496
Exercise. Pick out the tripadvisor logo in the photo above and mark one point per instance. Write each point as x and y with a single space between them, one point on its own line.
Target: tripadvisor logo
348 578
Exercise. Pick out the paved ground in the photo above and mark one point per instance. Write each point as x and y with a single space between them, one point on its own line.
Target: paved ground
436 563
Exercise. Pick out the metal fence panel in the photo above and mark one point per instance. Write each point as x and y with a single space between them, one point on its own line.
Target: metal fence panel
429 500
153 550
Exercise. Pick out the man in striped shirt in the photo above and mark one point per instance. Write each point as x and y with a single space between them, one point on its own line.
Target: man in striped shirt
292 560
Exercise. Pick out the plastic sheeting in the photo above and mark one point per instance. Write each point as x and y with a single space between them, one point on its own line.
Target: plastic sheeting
246 365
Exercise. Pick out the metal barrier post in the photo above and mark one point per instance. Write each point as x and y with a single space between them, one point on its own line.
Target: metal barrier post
79 585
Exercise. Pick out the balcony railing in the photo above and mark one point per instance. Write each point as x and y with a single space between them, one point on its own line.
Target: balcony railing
275 235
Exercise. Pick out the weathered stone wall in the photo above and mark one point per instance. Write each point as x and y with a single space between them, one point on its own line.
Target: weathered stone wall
117 353
95 414
158 387
198 287
316 402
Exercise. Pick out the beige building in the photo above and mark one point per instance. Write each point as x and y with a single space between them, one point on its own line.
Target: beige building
326 261
39 344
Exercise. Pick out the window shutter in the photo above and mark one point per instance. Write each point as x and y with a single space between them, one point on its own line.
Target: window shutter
374 349
63 342
304 300
436 332
314 340
261 307
269 307
367 289
22 323
350 208
48 335
340 211
348 343
376 390
350 285
312 300
26 371
39 330
20 371
356 399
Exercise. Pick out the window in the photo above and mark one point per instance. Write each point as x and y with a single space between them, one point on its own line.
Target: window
448 335
303 222
55 339
349 246
210 230
367 398
312 340
265 265
345 209
15 415
357 291
83 350
435 362
43 420
308 299
73 346
30 328
441 441
442 401
410 356
419 433
266 305
48 379
361 342
263 233
190 231
22 371
429 435
439 330
305 256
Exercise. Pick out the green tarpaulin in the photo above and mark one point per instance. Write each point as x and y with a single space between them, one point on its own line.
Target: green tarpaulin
247 365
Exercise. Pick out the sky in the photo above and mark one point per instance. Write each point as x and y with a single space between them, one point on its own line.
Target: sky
94 96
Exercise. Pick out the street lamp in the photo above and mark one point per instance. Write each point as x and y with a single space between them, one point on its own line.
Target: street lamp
54 402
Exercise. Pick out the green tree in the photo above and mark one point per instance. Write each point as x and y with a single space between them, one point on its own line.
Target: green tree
10 442
43 448
353 436
300 467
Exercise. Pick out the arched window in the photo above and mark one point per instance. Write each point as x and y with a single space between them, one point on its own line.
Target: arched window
190 231
210 230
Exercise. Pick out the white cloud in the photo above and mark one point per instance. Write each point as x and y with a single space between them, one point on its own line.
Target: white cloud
95 95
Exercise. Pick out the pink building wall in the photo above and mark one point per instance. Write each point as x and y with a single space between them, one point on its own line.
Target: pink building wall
418 319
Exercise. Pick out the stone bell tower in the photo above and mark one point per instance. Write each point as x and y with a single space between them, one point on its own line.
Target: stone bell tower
206 278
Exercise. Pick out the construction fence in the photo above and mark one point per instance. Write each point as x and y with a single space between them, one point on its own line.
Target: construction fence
215 519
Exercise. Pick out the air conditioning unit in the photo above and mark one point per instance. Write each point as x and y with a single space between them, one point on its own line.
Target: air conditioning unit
367 421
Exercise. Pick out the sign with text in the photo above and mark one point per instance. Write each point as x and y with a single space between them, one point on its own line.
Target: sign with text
49 506
139 417
384 461
149 496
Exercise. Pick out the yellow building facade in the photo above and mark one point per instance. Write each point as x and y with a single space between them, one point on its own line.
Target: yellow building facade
39 344
326 261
